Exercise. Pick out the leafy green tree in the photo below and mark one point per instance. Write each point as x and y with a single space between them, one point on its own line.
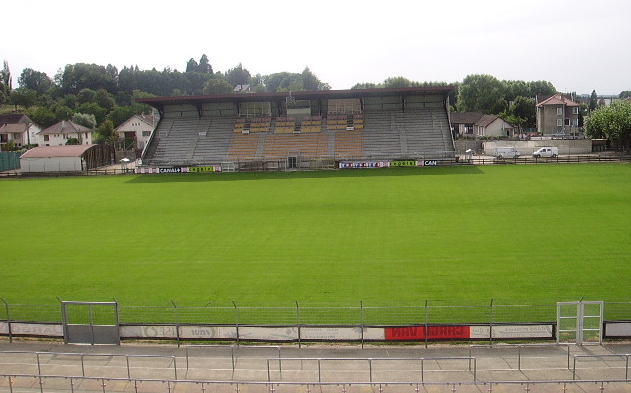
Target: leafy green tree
273 82
23 96
72 141
625 94
86 95
310 82
105 133
94 109
541 88
612 122
105 99
120 114
480 93
396 82
365 85
218 86
76 77
42 116
85 119
63 112
35 80
238 76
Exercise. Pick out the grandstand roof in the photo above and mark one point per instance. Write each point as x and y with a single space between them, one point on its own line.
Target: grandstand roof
159 102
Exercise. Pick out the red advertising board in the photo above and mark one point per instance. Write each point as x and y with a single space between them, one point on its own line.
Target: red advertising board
412 333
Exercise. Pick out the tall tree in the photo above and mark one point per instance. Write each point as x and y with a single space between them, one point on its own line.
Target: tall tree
35 80
191 65
593 101
217 86
204 66
238 75
481 93
5 83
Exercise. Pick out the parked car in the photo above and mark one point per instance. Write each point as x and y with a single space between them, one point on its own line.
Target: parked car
506 152
546 152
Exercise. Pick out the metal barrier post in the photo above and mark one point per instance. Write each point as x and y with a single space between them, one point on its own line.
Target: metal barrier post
298 323
319 372
177 323
82 365
6 307
236 319
361 316
370 369
128 370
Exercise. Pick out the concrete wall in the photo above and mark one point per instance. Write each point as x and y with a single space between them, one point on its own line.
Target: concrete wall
526 148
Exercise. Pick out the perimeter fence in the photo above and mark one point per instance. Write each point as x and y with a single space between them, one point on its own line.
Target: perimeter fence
492 320
298 314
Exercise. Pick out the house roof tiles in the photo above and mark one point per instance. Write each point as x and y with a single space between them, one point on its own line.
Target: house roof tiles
557 99
65 127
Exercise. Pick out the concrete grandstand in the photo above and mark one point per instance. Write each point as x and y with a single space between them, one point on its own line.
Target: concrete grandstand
300 130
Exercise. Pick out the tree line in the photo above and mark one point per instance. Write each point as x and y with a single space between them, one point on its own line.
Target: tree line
102 97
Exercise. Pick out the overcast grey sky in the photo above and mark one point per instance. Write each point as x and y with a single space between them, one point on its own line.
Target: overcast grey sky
578 45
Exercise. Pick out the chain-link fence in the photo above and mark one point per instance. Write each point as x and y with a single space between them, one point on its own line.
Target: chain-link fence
361 314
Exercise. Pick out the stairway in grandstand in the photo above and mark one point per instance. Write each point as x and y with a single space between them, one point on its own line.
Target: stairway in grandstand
414 134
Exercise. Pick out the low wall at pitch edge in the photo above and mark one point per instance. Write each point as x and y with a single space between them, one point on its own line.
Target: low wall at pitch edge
539 331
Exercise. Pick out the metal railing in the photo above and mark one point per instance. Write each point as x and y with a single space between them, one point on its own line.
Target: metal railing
57 383
607 356
470 361
82 357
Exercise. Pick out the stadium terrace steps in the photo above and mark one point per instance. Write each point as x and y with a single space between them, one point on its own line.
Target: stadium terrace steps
371 135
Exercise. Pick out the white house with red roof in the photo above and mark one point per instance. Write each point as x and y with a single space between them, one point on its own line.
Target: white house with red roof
59 133
137 128
18 129
479 124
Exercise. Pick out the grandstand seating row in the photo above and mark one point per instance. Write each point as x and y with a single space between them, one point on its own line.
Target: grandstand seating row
380 134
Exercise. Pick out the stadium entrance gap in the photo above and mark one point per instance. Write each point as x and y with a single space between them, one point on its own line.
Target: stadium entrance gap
90 322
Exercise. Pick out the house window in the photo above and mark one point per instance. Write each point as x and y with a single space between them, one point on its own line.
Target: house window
567 122
46 138
146 133
559 122
575 110
559 111
65 136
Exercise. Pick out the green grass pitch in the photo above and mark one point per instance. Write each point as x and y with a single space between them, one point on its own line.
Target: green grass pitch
394 237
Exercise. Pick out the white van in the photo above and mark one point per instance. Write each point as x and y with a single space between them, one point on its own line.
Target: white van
546 152
506 152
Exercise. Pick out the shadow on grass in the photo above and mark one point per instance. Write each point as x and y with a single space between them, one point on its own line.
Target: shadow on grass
354 173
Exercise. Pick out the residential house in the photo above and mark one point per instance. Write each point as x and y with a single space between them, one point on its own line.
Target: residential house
18 129
557 114
59 133
137 128
476 124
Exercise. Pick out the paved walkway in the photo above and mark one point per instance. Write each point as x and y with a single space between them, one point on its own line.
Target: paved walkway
438 368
